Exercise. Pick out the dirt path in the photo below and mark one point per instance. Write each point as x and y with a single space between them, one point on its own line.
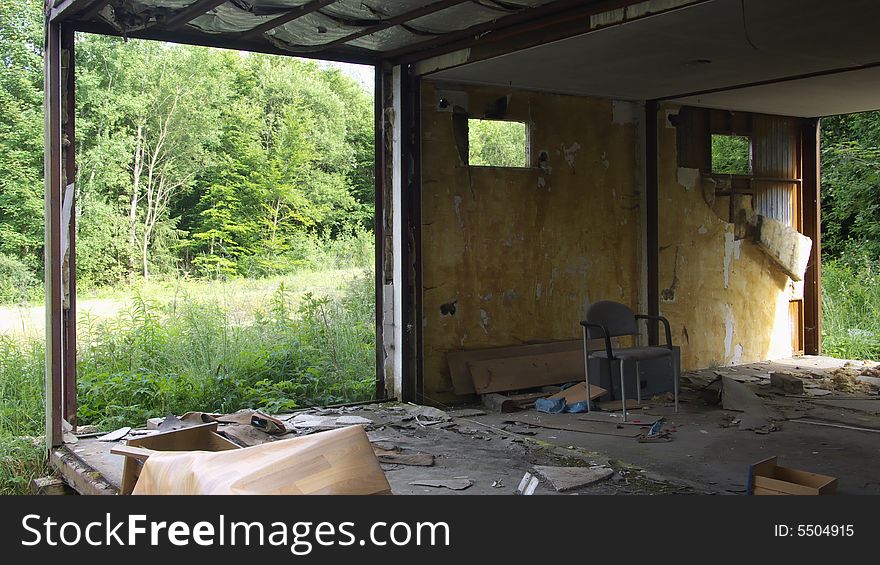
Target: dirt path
31 320
240 298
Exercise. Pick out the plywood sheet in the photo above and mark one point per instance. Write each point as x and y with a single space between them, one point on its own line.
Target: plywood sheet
578 393
458 360
517 373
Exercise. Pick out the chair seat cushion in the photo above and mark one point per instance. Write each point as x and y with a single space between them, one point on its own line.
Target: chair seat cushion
635 353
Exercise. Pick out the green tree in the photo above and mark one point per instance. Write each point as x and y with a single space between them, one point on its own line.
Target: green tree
851 185
21 132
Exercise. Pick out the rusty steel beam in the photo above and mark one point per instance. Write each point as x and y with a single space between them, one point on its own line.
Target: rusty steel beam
397 20
69 144
61 9
52 239
409 91
379 224
652 209
290 16
811 188
237 42
191 12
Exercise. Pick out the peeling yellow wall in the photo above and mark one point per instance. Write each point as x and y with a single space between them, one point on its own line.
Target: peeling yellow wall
521 252
726 300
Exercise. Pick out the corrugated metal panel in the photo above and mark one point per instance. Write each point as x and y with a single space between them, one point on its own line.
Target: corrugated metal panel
775 146
328 24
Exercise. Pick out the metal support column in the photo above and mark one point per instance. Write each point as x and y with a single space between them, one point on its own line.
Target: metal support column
52 242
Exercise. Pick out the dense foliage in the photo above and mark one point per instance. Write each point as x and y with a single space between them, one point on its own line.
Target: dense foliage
190 159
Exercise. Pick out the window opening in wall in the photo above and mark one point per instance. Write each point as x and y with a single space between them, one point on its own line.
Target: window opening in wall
498 143
731 154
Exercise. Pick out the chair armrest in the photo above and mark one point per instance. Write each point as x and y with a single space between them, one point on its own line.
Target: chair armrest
665 323
604 334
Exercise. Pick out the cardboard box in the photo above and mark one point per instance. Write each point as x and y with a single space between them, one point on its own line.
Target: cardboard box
766 477
203 437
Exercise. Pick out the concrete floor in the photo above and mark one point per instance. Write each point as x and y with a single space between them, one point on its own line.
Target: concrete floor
707 454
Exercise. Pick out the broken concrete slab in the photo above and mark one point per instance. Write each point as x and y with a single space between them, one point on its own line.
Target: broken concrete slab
738 397
353 421
786 382
426 412
569 478
875 381
466 413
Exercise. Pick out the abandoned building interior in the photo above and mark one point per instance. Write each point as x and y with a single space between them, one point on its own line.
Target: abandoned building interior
485 271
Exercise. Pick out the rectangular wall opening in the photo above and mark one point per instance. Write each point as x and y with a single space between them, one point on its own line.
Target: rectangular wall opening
498 143
731 154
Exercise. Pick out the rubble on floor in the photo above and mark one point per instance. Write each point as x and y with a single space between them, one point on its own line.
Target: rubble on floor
493 448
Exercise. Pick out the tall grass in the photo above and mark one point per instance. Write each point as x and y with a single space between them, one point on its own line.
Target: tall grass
189 353
22 452
154 359
851 308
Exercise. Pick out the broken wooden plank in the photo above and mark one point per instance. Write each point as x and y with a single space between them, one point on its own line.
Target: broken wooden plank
458 360
453 484
518 373
578 393
139 453
511 403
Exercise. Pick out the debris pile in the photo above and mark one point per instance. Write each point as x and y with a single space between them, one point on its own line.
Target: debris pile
854 379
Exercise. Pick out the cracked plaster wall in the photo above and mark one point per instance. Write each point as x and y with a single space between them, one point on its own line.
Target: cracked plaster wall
515 255
726 300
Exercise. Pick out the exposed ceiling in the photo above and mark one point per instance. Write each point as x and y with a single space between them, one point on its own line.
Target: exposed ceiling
352 30
696 54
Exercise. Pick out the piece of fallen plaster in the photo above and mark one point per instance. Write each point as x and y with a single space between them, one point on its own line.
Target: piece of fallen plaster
456 201
116 435
688 178
570 478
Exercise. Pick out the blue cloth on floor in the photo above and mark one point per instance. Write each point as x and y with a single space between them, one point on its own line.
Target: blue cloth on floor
557 406
550 405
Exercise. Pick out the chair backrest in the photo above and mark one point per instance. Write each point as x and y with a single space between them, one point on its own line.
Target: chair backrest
616 317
